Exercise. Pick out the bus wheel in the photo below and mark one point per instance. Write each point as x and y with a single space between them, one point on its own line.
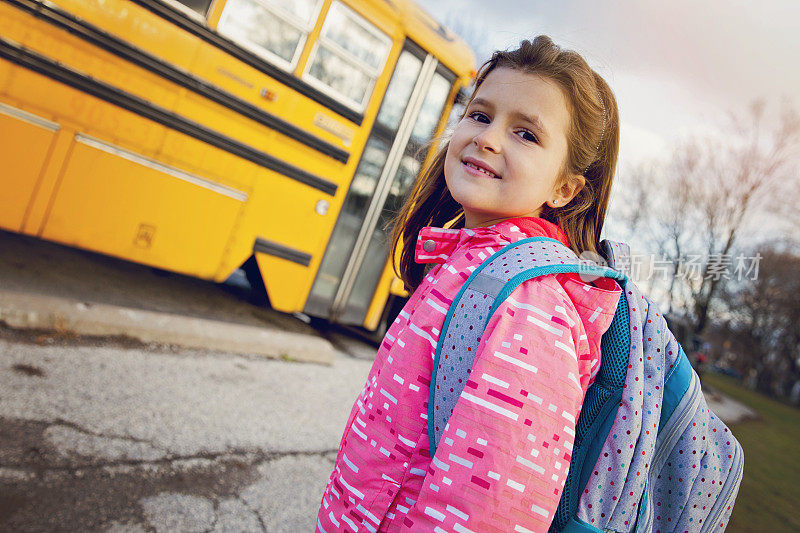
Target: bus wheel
258 295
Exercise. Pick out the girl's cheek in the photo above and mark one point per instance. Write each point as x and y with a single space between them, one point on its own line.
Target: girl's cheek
464 124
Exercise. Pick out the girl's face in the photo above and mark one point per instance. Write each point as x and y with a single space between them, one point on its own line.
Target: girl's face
506 155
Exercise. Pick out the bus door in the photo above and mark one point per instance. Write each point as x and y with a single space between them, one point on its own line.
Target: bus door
359 245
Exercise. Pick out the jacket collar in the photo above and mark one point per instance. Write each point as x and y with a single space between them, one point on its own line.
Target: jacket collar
434 245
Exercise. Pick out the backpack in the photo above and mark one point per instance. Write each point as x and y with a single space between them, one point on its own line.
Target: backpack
655 461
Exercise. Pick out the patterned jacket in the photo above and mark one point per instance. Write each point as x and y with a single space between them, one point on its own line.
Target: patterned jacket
503 458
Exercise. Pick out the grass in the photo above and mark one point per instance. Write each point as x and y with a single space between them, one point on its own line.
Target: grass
770 493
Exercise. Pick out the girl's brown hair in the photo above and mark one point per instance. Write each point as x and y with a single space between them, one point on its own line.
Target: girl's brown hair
592 147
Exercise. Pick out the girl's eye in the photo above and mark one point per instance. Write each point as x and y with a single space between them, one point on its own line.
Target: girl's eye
528 136
479 117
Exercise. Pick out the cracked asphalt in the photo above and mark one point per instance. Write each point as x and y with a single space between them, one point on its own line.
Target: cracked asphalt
110 435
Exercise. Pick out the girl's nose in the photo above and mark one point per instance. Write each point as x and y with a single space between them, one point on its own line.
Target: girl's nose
488 139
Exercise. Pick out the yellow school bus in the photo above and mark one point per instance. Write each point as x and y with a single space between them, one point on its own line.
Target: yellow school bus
200 136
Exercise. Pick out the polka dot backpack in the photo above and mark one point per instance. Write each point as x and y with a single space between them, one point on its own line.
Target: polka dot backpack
649 455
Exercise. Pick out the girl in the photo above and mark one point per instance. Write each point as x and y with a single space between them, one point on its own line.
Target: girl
533 155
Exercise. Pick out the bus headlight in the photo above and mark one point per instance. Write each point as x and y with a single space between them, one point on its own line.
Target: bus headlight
322 207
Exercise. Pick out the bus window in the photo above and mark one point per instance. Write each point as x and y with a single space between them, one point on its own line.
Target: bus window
348 57
362 188
431 111
371 267
274 29
394 103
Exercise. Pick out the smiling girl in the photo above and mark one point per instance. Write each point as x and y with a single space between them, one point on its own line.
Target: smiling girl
533 155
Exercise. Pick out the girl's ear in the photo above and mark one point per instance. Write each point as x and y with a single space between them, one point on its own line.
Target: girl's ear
569 188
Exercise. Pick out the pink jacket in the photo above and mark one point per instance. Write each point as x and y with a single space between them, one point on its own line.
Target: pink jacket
492 472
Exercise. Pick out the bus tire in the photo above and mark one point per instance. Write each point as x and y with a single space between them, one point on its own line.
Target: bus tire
258 290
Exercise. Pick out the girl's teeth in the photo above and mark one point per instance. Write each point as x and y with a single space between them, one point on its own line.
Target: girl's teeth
470 165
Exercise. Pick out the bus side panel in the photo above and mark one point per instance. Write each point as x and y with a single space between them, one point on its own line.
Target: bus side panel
207 161
281 279
20 175
103 66
137 26
111 204
259 137
244 81
282 211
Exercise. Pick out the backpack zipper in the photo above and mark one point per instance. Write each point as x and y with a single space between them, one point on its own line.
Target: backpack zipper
644 522
675 426
728 491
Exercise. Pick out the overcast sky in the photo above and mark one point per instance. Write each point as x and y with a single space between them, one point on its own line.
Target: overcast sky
676 66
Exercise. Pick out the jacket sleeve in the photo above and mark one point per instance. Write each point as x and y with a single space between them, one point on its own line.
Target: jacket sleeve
503 458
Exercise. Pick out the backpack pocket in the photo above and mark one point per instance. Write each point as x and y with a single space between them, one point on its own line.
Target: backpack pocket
697 468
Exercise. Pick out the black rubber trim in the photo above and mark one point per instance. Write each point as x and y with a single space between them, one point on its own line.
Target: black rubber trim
447 73
414 48
102 39
38 63
279 250
228 46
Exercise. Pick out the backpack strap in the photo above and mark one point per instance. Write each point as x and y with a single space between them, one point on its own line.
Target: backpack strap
598 413
486 288
617 255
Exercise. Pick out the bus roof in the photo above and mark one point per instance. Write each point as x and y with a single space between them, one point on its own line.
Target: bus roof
426 31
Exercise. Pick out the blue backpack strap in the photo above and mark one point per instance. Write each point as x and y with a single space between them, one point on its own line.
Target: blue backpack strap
480 296
598 413
602 399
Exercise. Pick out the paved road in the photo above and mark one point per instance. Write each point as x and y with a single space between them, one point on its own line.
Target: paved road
144 438
110 434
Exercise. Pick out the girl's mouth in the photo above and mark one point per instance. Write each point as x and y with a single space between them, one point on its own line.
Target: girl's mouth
475 169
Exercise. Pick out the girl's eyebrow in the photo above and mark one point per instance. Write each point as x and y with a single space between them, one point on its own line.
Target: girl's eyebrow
533 120
481 101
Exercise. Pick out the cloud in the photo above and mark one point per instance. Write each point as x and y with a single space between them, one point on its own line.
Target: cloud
726 52
677 68
639 144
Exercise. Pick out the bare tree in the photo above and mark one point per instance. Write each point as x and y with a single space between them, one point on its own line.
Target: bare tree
713 189
766 316
630 215
679 214
789 211
741 174
632 199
